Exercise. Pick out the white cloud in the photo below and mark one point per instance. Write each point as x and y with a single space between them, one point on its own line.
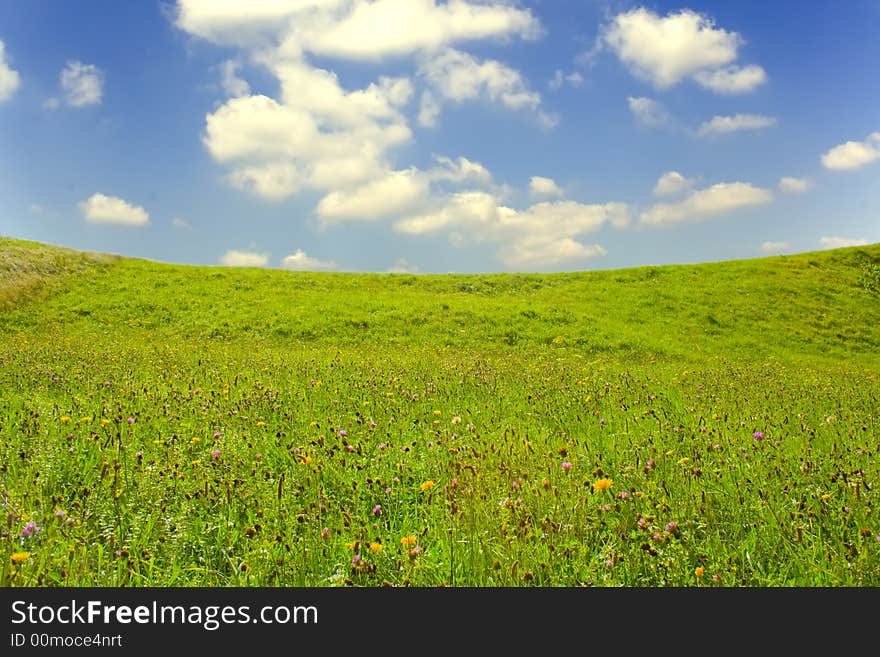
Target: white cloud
299 261
720 125
841 242
373 30
181 224
233 85
102 209
732 80
272 181
648 112
10 80
666 50
82 84
716 200
457 76
542 235
429 110
791 185
540 186
235 258
395 193
459 170
403 266
774 247
853 154
573 79
671 183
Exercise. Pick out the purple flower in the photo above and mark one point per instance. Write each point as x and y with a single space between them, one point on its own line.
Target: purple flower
215 454
130 420
623 495
372 425
106 384
566 466
758 435
602 421
377 509
650 463
343 433
382 445
671 526
59 513
356 560
325 533
217 434
29 528
609 563
642 523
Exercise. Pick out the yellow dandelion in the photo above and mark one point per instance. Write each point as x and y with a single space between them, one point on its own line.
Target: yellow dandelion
105 421
64 419
196 462
307 460
18 557
437 413
670 452
353 545
683 460
261 424
714 417
826 496
366 403
602 484
436 422
376 547
408 541
85 419
426 485
196 439
699 570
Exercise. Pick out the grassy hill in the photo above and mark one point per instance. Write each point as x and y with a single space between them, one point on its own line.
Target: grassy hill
693 425
817 305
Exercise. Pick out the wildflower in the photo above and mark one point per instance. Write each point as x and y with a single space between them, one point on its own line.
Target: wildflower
104 422
85 419
377 510
325 534
609 563
414 552
130 420
261 424
566 466
18 557
217 434
376 547
29 528
670 452
426 485
642 523
352 546
657 537
456 420
106 384
650 464
307 459
382 445
356 560
671 526
623 495
343 433
758 435
826 496
437 413
64 419
408 541
59 513
683 460
602 484
372 424
699 570
602 421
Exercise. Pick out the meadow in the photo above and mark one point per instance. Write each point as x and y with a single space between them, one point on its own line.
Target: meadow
689 425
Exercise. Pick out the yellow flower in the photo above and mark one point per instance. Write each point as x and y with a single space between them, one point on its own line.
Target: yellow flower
307 460
18 557
261 424
699 570
436 412
376 547
683 460
826 496
408 541
714 417
196 462
427 485
670 452
313 423
85 419
196 439
602 484
64 419
105 422
353 545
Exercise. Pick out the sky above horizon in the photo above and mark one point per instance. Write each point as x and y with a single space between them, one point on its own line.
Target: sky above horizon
432 136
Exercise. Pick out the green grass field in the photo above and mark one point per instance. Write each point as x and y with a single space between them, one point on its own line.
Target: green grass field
699 425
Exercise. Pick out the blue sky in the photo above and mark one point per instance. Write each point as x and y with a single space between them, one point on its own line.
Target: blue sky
431 136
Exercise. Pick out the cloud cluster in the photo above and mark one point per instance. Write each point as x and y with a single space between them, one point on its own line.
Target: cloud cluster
10 80
720 125
102 209
718 199
683 45
853 154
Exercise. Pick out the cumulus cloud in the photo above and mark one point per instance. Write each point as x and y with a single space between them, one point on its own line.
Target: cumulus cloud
299 261
840 242
397 192
666 50
853 154
672 183
648 112
543 235
429 110
112 210
403 266
10 80
235 258
233 85
353 29
540 186
719 199
458 77
720 125
573 79
459 170
81 84
774 247
791 185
